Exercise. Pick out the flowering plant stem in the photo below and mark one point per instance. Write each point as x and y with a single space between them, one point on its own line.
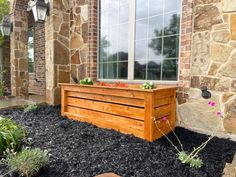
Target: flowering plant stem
184 157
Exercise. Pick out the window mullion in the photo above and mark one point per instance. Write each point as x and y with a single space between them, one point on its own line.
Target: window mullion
131 40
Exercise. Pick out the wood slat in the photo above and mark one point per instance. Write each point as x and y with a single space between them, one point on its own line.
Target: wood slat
160 112
148 120
161 101
106 91
116 109
107 98
165 128
122 124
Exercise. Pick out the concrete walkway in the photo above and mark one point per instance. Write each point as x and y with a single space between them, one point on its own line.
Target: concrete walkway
9 102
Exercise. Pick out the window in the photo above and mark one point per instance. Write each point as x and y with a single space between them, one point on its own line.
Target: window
139 39
30 50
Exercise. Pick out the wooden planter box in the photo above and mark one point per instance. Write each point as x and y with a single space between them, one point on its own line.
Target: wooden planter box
128 110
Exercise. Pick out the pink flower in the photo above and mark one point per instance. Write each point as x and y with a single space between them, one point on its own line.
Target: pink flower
212 103
219 114
164 118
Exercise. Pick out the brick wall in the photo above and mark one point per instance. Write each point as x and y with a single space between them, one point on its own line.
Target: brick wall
7 64
92 36
185 51
37 79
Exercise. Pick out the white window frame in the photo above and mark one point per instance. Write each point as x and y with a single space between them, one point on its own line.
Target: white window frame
131 49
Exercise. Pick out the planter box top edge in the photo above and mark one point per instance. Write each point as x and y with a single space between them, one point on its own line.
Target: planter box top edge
158 87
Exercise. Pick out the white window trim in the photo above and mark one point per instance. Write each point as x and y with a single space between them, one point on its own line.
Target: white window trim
131 49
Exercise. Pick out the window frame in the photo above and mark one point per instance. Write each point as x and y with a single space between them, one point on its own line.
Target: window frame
131 48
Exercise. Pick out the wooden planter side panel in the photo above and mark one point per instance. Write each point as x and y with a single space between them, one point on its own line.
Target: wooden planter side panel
121 110
127 111
161 110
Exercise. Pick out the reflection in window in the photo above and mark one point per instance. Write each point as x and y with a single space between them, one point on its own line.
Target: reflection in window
114 29
159 25
31 50
156 39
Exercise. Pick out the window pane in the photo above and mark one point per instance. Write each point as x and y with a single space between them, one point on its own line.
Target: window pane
155 7
171 24
123 44
122 70
114 30
31 50
141 9
103 70
172 5
155 26
141 29
124 13
154 70
140 70
112 70
171 47
170 70
113 18
155 48
160 27
141 49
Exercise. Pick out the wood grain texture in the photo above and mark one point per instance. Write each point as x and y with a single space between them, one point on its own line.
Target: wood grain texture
130 111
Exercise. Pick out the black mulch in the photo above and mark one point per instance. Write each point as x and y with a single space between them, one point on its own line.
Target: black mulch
82 150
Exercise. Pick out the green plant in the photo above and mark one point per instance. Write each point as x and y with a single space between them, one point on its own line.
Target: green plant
30 108
11 135
28 162
191 158
86 81
148 85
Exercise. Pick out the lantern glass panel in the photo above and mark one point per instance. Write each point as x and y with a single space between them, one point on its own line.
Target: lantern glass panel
34 9
6 30
42 12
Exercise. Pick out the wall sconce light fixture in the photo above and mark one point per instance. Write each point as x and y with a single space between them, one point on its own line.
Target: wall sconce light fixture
40 9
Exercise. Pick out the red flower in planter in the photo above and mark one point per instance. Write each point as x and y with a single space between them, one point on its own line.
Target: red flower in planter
120 84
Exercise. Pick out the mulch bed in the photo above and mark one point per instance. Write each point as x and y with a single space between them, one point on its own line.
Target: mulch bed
82 150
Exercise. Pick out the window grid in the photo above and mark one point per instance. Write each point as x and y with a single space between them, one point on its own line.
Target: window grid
131 46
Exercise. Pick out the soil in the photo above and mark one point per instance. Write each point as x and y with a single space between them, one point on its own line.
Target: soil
82 150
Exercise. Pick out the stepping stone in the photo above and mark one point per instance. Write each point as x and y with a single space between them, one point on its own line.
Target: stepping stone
229 171
108 175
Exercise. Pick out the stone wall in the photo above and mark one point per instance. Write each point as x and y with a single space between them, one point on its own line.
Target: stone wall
67 44
19 61
213 63
79 17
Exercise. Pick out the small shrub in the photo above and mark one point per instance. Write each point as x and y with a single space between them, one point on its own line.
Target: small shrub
11 135
86 81
148 85
28 162
30 108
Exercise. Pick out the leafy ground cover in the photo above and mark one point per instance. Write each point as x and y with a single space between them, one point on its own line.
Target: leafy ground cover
81 149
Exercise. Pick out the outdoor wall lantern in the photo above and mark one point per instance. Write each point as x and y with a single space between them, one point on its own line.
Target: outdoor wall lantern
6 26
40 9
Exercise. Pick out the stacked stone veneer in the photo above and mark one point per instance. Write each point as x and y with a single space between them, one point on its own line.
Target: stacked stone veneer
67 44
19 61
213 64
